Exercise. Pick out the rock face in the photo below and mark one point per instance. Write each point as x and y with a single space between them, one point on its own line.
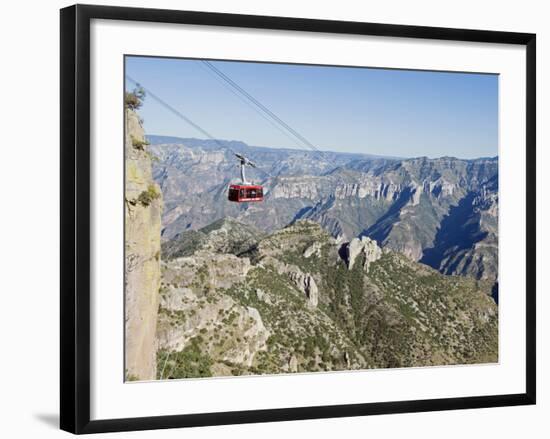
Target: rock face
405 205
304 282
365 246
307 284
467 242
223 236
296 302
143 210
314 249
194 312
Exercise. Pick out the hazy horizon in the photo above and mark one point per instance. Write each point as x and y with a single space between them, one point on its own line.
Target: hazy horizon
383 112
334 151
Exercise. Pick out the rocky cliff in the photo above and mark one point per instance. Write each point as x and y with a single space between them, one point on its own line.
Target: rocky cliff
467 241
412 206
223 236
143 209
299 300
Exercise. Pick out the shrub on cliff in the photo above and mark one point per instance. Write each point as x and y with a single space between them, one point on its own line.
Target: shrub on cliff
139 144
147 197
134 99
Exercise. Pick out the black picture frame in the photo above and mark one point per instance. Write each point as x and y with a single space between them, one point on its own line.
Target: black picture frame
75 217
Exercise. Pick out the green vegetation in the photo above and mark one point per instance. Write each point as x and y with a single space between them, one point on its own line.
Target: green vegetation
398 314
191 362
305 334
130 377
139 143
184 245
134 100
176 317
443 310
147 196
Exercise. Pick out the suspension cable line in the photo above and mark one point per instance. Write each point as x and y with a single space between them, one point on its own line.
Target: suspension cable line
247 102
262 107
186 119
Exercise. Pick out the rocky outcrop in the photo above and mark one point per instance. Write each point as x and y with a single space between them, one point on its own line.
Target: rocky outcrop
297 187
313 249
293 364
214 270
365 246
143 210
194 311
227 331
302 302
467 242
223 236
304 282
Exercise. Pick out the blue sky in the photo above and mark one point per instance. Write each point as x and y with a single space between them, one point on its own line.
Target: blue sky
376 111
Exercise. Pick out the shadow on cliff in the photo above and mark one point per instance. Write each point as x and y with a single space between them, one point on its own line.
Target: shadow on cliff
382 228
459 230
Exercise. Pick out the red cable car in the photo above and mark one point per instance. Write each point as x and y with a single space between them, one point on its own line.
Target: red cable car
245 192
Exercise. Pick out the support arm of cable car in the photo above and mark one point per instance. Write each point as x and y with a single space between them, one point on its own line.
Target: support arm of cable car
245 191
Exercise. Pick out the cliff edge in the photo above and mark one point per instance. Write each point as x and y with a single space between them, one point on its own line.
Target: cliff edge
143 209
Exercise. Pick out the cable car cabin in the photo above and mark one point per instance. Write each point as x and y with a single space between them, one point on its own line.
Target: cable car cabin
241 193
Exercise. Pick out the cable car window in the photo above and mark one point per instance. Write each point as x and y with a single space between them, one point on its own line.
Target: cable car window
233 195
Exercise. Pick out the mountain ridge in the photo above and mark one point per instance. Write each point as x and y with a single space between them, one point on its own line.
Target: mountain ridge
295 303
194 142
157 139
401 204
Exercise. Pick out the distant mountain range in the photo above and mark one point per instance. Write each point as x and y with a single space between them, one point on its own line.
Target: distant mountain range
240 146
442 212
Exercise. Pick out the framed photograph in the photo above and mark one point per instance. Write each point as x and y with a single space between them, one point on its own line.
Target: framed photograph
273 218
